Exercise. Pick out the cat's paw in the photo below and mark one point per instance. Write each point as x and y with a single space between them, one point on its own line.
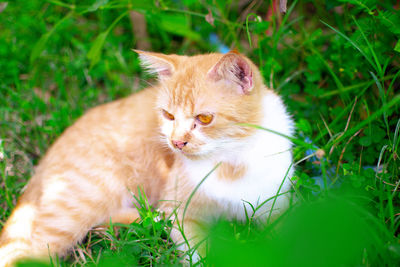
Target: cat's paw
192 257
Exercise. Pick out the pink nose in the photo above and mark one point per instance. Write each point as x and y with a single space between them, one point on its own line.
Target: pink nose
179 144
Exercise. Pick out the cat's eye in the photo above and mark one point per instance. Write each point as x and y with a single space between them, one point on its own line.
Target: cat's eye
204 118
168 115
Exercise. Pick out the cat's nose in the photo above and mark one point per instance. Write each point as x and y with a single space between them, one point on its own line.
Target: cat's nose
179 144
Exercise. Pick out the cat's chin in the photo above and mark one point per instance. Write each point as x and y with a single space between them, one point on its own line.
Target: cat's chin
199 152
193 155
189 152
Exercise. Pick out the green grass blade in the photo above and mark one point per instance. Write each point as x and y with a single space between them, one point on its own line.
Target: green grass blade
59 3
182 227
296 141
397 47
377 63
374 116
328 67
337 119
40 45
396 138
353 44
383 98
355 86
392 83
94 53
247 28
277 193
195 190
3 166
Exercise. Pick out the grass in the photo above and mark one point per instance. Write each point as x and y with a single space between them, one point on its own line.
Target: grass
335 63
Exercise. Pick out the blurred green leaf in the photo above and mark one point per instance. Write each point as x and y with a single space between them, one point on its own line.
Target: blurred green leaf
304 126
94 53
96 5
332 231
365 141
40 45
261 26
397 47
368 5
145 6
391 20
178 24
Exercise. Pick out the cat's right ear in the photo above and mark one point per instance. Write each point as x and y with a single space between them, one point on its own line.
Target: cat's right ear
156 63
235 70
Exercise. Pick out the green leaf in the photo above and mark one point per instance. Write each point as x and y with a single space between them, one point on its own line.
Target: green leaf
96 5
189 2
368 5
372 117
365 141
391 20
352 43
60 3
261 26
313 76
178 24
94 53
143 6
397 47
378 134
40 45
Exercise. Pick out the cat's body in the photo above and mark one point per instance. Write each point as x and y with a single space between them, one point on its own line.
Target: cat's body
164 139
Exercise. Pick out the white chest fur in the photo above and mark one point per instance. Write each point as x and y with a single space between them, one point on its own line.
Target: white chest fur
267 157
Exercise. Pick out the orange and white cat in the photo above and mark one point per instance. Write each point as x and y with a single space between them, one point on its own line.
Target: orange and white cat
165 139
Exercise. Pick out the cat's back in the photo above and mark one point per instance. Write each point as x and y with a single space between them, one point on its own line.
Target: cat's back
114 124
111 140
118 119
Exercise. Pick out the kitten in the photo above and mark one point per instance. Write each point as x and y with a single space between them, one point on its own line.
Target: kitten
165 139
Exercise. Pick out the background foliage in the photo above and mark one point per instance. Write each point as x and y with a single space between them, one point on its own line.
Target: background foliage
335 62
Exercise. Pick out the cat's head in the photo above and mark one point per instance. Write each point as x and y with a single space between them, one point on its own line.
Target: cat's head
204 100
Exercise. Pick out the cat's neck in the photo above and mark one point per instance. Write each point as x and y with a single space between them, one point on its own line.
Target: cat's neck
256 168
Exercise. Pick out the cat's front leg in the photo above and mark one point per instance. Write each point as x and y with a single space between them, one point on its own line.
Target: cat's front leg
188 231
189 240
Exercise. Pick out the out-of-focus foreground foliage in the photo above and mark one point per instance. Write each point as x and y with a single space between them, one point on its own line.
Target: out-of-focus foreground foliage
335 62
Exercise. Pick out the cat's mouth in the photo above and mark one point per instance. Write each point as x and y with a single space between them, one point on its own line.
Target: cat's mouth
188 150
193 154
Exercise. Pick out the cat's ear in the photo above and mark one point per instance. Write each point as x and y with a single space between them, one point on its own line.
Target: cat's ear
235 69
156 63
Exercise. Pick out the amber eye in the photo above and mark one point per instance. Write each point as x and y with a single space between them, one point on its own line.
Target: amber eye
204 118
168 115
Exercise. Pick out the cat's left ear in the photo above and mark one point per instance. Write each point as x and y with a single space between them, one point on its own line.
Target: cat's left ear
157 63
235 69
